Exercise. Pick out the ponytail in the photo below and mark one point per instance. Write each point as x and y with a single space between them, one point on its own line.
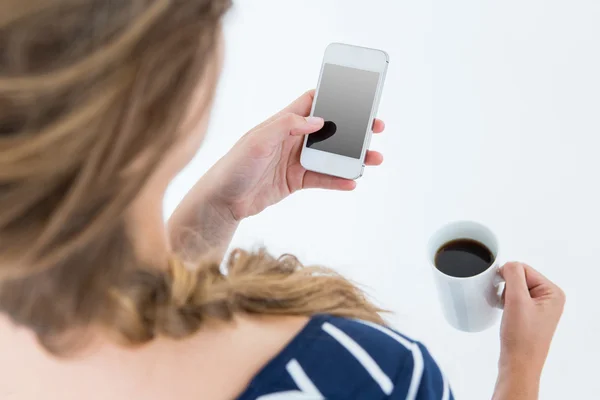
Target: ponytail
177 302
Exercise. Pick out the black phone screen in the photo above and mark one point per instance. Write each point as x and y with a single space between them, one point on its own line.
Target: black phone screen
345 101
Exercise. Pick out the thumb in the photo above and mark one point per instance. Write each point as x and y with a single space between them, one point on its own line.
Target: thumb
293 124
516 282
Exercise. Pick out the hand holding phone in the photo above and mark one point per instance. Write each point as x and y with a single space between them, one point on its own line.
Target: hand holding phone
264 168
347 98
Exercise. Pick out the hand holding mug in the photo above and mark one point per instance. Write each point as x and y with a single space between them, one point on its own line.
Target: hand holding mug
464 258
533 306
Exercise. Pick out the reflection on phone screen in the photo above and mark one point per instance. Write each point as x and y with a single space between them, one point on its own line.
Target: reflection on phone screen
346 96
327 131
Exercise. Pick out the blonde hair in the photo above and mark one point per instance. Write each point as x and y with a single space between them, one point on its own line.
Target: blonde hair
86 87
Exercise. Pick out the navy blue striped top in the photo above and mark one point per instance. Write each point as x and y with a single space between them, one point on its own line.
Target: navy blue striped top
337 358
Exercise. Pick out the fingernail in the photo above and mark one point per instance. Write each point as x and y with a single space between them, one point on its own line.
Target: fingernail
315 121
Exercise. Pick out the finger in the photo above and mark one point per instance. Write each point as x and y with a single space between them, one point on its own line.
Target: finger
373 158
314 180
516 282
378 126
292 124
534 278
301 106
540 286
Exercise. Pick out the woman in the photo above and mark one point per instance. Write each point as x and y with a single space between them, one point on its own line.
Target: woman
102 103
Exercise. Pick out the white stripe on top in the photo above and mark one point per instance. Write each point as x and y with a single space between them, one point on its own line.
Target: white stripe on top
415 381
289 395
361 356
308 390
301 379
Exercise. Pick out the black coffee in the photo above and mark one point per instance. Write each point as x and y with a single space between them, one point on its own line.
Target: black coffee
463 258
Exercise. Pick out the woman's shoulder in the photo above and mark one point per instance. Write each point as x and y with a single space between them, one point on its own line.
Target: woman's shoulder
339 358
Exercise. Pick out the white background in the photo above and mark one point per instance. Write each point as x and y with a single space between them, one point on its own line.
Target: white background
492 112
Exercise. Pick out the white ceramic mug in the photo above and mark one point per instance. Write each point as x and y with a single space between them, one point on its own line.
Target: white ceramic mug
474 303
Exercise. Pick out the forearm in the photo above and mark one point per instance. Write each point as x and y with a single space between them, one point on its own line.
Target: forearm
201 225
517 383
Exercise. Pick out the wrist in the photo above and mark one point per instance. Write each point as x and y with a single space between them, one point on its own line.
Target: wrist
520 371
201 224
517 383
210 205
220 212
523 365
519 375
219 196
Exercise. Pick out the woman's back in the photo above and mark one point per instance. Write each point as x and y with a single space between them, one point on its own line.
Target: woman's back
217 363
258 358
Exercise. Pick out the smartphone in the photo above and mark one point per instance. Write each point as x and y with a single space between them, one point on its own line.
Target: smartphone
347 98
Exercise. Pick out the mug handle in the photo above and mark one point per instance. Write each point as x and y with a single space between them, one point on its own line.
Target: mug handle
499 284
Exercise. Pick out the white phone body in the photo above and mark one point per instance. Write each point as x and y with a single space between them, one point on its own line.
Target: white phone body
353 99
